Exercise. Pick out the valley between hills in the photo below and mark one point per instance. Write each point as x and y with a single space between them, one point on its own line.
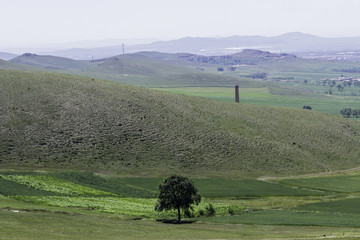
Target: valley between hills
87 142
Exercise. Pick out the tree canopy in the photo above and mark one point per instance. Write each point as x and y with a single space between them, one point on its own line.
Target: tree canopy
177 192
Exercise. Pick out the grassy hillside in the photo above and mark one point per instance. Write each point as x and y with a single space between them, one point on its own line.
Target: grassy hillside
155 69
65 122
50 62
142 69
14 66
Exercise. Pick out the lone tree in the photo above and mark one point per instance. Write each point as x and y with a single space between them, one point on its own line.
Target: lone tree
177 192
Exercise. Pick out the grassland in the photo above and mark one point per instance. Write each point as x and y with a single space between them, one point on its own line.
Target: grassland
285 85
344 206
72 122
173 70
45 225
281 212
298 68
343 183
153 69
134 69
281 217
273 96
70 193
55 121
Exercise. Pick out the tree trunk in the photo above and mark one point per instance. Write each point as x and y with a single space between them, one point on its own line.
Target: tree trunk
179 216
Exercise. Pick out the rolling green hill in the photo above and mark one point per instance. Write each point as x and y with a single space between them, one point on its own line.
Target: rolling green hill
14 66
57 121
142 69
50 62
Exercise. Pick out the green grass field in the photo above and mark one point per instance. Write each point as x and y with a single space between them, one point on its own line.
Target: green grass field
346 183
48 225
273 97
288 217
275 210
344 206
213 188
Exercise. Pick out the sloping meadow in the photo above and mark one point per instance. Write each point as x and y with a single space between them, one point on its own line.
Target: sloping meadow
50 189
234 201
129 196
54 121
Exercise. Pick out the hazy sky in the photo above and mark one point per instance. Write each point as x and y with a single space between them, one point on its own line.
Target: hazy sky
29 22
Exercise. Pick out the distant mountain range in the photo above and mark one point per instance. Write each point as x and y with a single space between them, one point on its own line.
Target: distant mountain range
295 42
300 44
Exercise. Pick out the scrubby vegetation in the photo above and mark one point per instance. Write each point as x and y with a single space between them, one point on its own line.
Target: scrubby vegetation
84 123
348 112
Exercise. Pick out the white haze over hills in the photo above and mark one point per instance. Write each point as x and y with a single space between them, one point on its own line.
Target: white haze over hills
7 56
296 43
74 28
37 22
86 44
301 44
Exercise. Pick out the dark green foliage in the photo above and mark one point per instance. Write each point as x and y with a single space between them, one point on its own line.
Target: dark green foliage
340 88
210 210
177 192
260 75
348 112
201 212
188 213
348 70
231 211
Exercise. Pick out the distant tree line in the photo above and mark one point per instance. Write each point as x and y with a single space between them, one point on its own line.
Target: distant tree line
224 60
259 75
333 83
282 78
348 112
348 70
339 85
